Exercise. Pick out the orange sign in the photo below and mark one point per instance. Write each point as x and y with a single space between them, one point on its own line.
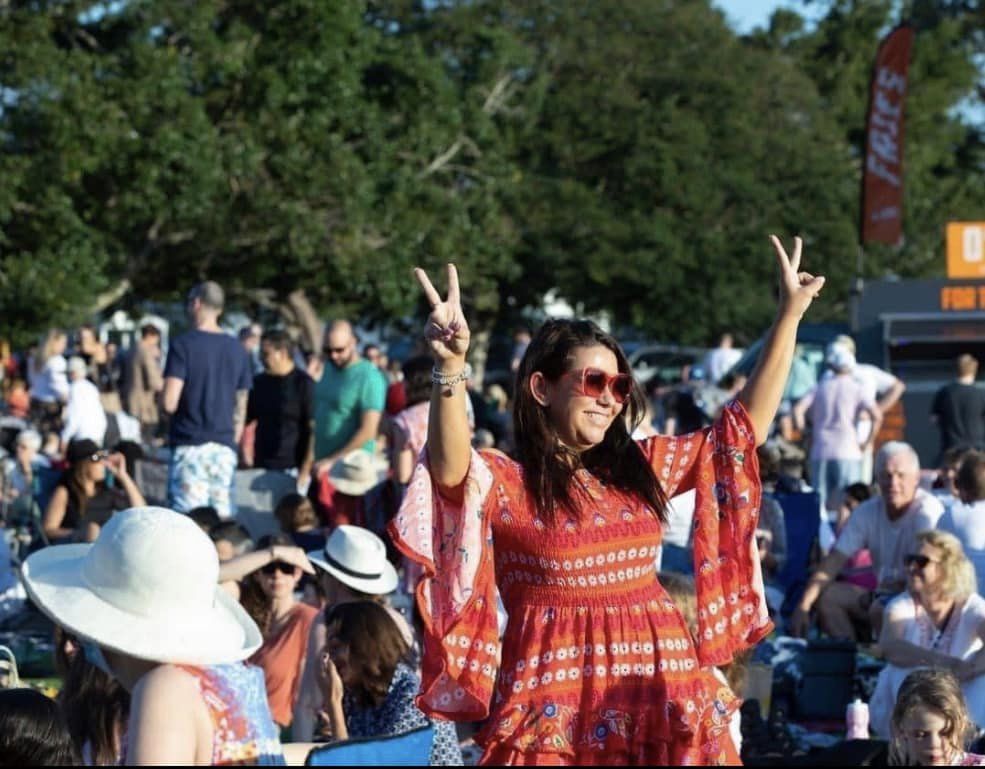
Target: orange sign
965 249
963 298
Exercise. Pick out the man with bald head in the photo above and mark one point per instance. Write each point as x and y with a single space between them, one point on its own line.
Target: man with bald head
887 526
349 399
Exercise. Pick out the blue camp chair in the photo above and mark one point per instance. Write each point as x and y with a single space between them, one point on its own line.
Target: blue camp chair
411 748
802 517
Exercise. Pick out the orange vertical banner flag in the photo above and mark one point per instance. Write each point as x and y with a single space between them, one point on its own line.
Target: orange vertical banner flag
882 180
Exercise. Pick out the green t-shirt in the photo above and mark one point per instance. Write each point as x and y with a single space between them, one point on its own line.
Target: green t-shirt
341 397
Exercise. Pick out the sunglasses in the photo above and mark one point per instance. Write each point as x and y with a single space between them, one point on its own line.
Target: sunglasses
99 456
284 568
594 382
915 559
334 350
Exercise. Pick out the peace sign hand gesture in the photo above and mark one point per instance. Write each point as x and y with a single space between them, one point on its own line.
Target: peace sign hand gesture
446 330
797 289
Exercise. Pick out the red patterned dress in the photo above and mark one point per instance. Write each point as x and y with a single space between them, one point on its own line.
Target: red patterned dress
597 664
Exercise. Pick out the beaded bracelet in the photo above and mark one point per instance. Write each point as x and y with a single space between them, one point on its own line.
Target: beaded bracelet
448 380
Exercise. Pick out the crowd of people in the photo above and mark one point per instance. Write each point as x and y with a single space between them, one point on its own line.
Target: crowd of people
573 569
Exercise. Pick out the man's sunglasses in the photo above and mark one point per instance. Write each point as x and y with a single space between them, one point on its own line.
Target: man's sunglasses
595 381
334 350
284 568
915 559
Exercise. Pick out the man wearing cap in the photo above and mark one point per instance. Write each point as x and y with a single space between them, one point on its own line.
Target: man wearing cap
349 400
145 603
84 414
206 383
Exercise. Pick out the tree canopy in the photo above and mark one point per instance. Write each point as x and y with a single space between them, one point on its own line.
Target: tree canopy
631 156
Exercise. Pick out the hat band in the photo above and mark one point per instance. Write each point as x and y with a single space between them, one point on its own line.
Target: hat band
351 572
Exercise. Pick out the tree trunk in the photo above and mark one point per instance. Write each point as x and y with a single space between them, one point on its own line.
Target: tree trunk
305 317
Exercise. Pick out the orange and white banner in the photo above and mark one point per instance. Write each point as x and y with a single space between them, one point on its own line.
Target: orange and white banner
882 181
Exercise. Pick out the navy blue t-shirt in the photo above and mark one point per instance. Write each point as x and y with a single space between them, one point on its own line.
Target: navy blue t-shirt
213 367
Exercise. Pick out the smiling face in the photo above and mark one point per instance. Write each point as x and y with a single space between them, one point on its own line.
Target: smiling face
579 420
925 581
928 737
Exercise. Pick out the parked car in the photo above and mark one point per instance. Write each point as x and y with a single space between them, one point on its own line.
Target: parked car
668 361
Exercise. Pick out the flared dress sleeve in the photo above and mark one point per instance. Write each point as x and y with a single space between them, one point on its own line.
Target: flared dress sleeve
457 596
720 464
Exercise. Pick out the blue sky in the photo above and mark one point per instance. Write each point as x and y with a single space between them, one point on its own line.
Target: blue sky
746 14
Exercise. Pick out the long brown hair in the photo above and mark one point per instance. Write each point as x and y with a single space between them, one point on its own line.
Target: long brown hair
75 484
251 595
547 464
376 646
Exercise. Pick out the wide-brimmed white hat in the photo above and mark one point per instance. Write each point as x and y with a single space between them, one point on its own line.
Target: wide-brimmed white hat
357 557
148 588
357 472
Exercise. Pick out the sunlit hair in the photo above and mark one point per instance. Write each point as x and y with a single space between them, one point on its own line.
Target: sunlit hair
967 365
896 448
958 572
940 692
295 512
548 465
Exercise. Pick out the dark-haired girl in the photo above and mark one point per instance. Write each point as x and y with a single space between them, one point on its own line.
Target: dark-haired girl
596 664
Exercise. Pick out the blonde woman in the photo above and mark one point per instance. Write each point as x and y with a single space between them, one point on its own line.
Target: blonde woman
49 382
938 622
930 724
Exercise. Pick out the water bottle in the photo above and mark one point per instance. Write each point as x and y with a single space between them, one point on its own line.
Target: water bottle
857 720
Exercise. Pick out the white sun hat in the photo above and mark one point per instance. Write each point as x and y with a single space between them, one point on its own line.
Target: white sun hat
357 557
148 588
358 472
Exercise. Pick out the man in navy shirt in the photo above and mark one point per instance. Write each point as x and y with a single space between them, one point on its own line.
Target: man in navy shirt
206 383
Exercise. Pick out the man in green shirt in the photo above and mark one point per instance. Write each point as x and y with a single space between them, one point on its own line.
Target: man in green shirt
349 399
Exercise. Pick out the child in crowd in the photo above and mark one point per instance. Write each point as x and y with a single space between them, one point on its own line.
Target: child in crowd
33 731
297 519
930 724
206 517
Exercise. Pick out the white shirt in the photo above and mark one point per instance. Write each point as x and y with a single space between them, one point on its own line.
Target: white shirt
874 383
51 384
967 523
680 515
84 415
888 541
719 361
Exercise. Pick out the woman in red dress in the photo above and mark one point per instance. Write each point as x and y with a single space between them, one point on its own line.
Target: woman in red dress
596 664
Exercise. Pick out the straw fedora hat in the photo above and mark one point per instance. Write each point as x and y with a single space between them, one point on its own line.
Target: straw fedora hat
147 587
357 472
357 557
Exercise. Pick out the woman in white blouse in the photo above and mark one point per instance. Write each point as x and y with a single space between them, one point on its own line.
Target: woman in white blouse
939 622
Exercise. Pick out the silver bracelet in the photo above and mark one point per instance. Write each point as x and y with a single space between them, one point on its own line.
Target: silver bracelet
448 380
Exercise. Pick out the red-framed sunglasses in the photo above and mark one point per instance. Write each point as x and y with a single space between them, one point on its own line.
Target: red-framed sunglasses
595 381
